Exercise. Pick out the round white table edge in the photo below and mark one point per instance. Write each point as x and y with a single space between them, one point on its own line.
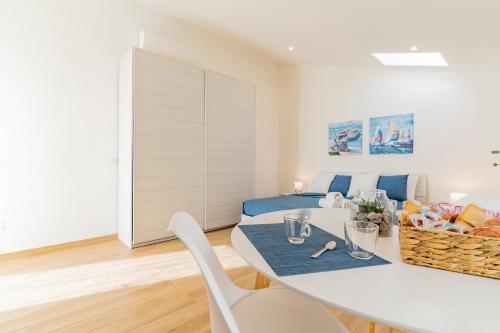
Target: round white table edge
335 305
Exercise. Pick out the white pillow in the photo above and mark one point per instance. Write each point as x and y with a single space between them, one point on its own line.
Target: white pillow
411 186
365 181
321 182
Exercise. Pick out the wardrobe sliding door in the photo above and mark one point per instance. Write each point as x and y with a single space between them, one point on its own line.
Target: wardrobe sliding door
230 148
168 144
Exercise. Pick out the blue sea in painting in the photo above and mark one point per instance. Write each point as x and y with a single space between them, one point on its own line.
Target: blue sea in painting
392 134
345 138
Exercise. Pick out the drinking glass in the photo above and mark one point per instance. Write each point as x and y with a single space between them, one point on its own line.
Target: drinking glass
371 195
393 209
360 238
297 227
306 213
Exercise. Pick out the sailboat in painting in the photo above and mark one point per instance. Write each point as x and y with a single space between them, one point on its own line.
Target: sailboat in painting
392 132
378 137
352 134
339 144
391 135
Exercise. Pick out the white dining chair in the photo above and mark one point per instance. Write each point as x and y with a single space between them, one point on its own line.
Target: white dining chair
234 310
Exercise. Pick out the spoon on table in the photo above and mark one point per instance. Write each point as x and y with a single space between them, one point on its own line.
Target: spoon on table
328 246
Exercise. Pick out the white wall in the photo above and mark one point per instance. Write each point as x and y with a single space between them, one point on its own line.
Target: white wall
457 117
58 111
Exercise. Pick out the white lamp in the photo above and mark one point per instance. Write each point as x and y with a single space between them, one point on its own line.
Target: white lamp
456 196
298 187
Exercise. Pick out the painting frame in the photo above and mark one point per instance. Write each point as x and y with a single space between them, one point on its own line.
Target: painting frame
392 134
345 138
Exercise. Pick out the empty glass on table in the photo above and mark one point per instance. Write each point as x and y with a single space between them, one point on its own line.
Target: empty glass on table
297 227
360 238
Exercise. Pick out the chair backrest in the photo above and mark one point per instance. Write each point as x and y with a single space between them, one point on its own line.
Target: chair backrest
221 291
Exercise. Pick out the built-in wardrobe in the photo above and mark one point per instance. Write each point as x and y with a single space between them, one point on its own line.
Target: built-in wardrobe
186 142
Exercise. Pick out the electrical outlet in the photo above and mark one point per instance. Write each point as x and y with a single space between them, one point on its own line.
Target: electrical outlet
3 224
113 161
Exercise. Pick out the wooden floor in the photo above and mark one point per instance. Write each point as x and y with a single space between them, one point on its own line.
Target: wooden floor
105 287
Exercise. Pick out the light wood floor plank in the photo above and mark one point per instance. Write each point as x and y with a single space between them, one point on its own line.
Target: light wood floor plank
176 319
125 313
177 304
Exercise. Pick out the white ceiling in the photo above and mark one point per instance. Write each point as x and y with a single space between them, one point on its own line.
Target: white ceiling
336 32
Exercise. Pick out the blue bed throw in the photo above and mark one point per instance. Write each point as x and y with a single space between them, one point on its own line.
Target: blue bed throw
255 207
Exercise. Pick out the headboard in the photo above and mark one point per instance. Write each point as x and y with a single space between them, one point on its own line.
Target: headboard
421 191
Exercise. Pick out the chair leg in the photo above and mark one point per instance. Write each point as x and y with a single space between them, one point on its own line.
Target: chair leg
371 327
261 281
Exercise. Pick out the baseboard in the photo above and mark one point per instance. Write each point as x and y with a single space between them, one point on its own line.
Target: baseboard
55 247
220 228
156 241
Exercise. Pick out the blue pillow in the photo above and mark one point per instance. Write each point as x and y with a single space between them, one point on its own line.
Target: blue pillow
340 184
394 186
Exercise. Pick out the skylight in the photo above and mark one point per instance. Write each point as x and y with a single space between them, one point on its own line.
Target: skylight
432 59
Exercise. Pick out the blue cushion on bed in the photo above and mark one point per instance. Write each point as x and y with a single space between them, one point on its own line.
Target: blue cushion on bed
340 184
394 186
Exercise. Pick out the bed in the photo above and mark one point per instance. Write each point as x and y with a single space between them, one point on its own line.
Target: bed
323 183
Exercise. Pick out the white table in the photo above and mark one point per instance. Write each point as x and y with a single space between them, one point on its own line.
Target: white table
403 296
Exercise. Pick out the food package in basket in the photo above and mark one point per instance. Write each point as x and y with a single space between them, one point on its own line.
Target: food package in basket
469 219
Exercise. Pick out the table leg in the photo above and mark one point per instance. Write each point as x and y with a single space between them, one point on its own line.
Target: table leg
371 327
261 281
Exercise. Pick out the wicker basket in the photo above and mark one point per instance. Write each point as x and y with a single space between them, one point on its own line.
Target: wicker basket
451 251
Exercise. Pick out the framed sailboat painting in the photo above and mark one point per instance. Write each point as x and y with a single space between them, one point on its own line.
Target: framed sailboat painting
391 134
345 138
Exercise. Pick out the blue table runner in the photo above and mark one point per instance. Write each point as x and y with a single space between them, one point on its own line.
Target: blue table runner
288 259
